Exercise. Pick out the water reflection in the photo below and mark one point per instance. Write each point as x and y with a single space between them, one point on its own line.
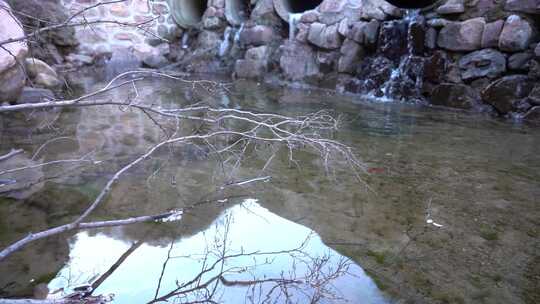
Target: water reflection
248 255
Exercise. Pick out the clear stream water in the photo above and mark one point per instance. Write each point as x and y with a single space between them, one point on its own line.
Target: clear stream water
305 233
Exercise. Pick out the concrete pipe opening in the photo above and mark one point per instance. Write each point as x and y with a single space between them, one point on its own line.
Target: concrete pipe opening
187 13
286 7
237 11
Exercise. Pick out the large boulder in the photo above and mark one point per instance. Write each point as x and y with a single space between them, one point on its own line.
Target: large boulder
298 61
324 36
484 63
12 76
505 94
516 35
462 36
454 95
351 53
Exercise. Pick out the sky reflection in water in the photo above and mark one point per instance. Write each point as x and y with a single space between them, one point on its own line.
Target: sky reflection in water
245 228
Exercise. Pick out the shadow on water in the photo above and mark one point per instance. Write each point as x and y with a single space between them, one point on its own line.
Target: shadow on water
449 215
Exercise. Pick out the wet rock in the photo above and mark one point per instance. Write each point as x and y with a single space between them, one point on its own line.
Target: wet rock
416 36
492 32
537 51
258 53
351 54
534 96
344 27
324 36
310 17
257 35
35 95
265 14
519 61
435 67
364 32
438 22
451 7
462 36
454 96
372 74
393 39
431 38
505 93
533 115
327 61
303 31
534 69
516 34
333 11
523 6
485 63
298 61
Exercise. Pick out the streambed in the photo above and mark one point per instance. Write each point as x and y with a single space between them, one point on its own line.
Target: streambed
475 177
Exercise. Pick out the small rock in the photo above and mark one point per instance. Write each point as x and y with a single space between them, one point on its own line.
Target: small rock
431 38
260 53
80 59
537 51
519 61
12 82
155 61
462 36
505 93
492 32
485 63
516 34
35 95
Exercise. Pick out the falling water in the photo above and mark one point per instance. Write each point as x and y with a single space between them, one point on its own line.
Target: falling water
406 79
185 40
226 43
237 35
293 21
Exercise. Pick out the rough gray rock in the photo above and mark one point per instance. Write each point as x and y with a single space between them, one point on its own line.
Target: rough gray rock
324 36
454 96
523 6
505 93
537 51
533 115
155 61
492 32
35 66
247 68
298 61
519 61
484 63
462 36
451 7
47 81
516 34
257 35
351 54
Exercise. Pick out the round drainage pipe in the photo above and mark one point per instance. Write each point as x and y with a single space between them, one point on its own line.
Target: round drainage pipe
187 13
286 7
237 11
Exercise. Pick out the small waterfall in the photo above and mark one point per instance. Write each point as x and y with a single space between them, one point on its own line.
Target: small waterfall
293 21
226 43
405 79
237 34
185 40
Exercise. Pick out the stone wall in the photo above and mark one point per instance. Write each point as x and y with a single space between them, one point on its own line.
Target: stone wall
153 16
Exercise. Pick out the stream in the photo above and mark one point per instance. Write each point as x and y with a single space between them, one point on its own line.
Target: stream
446 211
